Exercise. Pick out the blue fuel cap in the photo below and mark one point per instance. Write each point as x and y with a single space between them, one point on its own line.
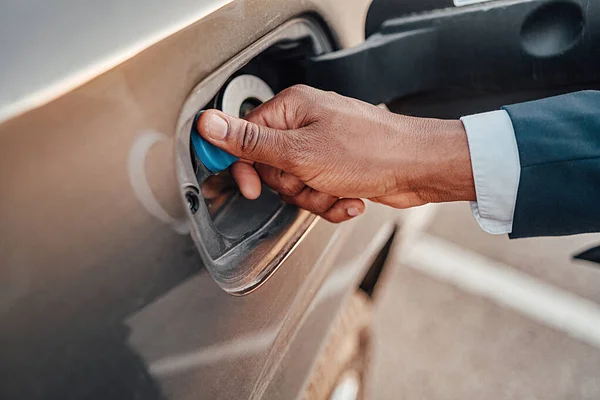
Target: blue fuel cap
213 158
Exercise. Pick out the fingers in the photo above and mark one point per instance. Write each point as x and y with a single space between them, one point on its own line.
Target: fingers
344 210
247 179
290 109
328 207
293 191
400 200
282 182
311 200
245 139
215 185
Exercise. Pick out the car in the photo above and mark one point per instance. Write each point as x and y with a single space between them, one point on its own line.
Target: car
127 275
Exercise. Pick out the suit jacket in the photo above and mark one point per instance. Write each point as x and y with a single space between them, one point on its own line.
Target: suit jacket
559 149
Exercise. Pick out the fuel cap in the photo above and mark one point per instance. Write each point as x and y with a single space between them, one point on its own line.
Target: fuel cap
213 158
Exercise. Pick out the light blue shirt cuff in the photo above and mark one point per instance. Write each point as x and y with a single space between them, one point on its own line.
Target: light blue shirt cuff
496 169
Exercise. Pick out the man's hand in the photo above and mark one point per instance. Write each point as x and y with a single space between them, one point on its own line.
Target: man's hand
324 152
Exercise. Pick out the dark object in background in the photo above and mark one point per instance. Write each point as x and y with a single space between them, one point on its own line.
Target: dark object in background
592 255
381 10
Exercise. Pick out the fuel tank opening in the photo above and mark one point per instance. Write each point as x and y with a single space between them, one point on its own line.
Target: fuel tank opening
243 94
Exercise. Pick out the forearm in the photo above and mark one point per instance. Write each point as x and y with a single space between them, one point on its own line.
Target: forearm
443 171
474 160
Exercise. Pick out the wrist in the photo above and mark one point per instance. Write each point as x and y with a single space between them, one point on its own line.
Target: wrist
445 173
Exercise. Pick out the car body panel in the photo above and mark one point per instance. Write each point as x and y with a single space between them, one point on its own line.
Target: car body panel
102 299
65 43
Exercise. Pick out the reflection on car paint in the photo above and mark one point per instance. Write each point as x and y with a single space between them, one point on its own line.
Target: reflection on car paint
136 170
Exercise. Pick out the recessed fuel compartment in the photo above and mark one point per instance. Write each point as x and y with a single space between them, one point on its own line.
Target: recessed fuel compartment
242 242
273 70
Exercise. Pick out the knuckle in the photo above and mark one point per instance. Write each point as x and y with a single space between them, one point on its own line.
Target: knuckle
265 171
298 94
285 95
288 199
271 177
319 209
300 89
320 203
289 187
250 138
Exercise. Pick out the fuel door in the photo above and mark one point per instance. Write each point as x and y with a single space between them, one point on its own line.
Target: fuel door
242 242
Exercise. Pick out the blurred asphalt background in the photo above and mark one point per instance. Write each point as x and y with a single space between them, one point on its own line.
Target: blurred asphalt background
461 314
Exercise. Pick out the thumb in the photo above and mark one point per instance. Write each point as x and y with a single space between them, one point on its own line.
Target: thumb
245 139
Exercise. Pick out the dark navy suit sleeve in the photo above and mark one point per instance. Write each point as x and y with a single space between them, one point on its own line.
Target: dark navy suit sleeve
559 149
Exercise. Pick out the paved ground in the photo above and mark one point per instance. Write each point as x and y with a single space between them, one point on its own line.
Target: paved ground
465 315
